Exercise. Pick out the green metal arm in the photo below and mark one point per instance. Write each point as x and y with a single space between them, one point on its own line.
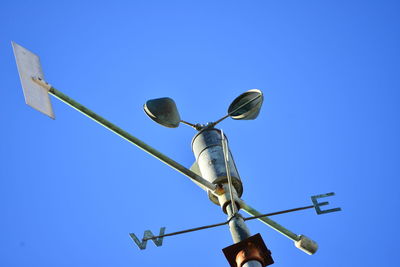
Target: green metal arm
112 127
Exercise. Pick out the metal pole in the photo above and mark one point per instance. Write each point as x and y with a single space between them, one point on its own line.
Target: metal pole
237 226
112 127
239 230
252 264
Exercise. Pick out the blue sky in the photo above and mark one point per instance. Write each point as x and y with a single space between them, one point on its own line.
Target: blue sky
71 191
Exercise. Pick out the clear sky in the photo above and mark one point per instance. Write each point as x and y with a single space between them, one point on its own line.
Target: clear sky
72 191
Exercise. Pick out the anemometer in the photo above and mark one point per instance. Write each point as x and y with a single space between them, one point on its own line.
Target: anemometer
214 169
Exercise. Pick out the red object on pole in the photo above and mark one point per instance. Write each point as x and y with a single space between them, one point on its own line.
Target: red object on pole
252 248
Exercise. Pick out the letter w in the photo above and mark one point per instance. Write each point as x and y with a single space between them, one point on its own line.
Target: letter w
147 236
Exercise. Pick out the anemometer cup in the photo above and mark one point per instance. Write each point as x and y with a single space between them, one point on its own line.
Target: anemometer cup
163 111
247 105
306 244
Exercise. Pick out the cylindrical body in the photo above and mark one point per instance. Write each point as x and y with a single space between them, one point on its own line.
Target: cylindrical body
207 149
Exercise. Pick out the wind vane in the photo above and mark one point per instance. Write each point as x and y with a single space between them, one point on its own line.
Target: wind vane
214 169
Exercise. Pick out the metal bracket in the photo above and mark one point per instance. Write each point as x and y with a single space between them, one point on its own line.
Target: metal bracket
41 82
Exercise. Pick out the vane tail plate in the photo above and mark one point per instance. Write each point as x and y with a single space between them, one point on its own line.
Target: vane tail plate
29 67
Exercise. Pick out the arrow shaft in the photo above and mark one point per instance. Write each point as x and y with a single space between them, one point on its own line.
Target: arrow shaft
224 223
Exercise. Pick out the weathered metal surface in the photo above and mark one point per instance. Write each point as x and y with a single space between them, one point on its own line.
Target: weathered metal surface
163 111
209 155
237 226
250 252
195 168
112 127
29 67
148 235
318 204
225 196
252 256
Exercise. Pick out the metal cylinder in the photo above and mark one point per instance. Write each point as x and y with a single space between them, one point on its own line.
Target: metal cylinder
252 263
224 198
306 244
237 226
207 148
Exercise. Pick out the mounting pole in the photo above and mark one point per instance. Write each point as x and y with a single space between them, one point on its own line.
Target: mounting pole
240 232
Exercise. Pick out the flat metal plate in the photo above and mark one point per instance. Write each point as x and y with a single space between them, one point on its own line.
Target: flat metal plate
29 66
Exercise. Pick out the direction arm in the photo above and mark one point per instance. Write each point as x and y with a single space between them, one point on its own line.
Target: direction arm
130 138
37 90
